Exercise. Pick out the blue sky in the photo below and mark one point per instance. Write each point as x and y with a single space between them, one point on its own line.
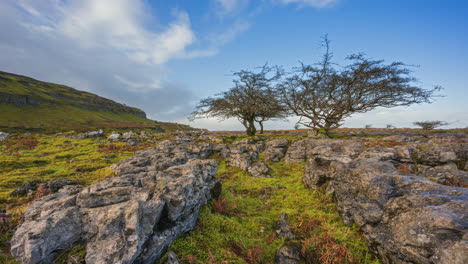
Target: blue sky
163 56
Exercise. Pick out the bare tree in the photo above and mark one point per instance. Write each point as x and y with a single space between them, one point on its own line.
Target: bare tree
324 94
429 125
251 100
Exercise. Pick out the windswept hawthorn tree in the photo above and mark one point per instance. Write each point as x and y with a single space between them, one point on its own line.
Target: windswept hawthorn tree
253 99
322 95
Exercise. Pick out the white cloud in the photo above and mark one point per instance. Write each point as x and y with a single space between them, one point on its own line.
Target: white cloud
26 7
231 33
312 3
118 24
112 53
219 39
229 7
138 86
108 47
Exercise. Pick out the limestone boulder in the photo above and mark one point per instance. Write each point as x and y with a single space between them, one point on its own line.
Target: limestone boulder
406 218
114 136
132 218
275 149
4 136
259 170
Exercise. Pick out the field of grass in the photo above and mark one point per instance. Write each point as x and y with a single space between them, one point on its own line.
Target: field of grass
26 103
48 157
17 89
238 227
65 117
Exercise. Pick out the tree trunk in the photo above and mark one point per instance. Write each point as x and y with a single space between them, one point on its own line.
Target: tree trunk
316 133
246 125
251 130
261 127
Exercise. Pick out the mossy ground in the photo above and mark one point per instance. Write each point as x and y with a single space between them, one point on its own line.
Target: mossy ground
83 160
238 227
26 103
47 158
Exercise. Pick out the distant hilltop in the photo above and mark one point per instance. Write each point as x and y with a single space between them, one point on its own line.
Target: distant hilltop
29 103
21 90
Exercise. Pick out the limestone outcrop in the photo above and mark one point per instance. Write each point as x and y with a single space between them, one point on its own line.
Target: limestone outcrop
405 217
90 134
404 192
131 218
4 136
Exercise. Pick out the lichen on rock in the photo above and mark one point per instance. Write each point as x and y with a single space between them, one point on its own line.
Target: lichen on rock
126 219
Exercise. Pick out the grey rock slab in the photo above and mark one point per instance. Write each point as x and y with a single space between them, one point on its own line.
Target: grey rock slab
132 218
259 170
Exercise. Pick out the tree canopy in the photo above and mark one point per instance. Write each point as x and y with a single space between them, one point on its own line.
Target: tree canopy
322 95
429 125
253 99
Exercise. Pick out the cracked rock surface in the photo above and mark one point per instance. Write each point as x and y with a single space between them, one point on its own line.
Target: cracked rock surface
405 217
131 218
390 189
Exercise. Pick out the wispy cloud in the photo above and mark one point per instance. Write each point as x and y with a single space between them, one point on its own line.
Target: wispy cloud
229 7
231 33
311 3
138 86
119 24
102 46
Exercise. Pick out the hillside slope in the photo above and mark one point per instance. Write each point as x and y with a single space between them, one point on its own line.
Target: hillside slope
29 103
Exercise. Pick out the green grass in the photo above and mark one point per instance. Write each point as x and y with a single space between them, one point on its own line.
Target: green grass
27 103
48 158
248 222
56 157
236 228
51 93
64 116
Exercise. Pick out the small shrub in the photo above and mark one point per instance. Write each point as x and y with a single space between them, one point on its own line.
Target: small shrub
109 148
324 249
41 191
269 239
251 256
254 254
191 259
221 206
26 143
237 248
429 125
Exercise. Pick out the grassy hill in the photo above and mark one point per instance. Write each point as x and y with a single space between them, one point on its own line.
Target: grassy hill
29 103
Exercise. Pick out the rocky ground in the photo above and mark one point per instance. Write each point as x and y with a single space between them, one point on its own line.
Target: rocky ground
285 199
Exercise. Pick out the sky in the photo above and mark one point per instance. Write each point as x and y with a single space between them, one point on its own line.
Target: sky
163 56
